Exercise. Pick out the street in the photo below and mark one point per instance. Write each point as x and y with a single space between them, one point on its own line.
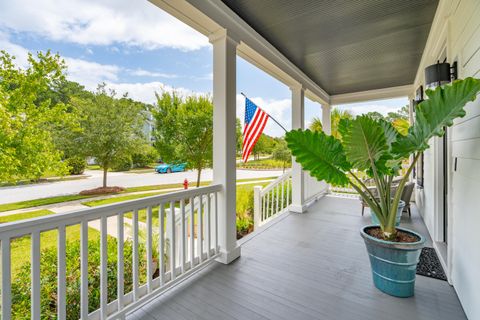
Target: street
122 179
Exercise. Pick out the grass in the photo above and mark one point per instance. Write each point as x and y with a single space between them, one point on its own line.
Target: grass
66 198
40 202
25 215
263 164
96 203
180 185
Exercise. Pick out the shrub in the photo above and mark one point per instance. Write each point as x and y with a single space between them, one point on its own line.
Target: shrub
48 266
144 157
123 163
244 226
245 201
76 165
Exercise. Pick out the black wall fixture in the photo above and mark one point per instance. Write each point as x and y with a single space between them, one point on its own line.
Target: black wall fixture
418 97
440 73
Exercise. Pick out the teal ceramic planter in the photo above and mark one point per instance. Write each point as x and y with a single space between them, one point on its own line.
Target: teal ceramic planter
394 264
398 217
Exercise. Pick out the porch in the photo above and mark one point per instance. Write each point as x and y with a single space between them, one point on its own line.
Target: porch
303 266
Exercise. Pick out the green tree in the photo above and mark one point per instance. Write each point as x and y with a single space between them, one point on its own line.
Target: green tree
282 152
27 116
335 116
111 127
375 115
264 145
184 130
316 125
403 113
239 135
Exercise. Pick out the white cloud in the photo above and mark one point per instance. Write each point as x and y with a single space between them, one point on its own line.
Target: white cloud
19 52
279 109
145 92
145 73
90 74
107 22
359 109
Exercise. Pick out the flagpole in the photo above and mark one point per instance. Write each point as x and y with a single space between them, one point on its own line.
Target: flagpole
243 94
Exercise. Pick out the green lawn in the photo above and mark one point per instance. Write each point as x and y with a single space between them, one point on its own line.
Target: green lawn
264 164
96 203
40 202
25 215
60 199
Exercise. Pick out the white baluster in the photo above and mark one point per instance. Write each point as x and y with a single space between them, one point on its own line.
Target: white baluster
61 274
135 255
192 232
35 302
200 229
207 227
103 268
6 279
84 270
171 230
120 262
183 235
149 250
161 243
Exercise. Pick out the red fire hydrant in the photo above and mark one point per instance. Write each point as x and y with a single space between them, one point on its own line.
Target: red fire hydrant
185 184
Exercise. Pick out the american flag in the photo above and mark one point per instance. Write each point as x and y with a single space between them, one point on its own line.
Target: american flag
255 121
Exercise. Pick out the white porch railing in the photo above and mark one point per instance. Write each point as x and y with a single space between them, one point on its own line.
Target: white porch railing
181 250
344 190
272 200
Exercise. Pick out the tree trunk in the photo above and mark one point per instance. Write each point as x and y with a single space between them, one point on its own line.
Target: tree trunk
105 170
199 173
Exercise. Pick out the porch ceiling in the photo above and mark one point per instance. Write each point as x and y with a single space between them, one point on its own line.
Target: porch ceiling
345 45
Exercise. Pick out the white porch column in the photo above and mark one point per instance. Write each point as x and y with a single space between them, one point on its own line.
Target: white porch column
326 119
224 140
298 176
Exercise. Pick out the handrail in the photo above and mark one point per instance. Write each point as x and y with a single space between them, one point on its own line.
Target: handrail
43 223
187 239
271 201
271 185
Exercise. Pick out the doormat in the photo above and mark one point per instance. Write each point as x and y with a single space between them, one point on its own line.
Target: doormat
429 265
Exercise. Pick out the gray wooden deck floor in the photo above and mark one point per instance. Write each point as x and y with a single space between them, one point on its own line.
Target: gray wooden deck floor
306 266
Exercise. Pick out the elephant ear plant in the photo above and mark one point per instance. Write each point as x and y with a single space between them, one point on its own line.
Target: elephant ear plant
377 148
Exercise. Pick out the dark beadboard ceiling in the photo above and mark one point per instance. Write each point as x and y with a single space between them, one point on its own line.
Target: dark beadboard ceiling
345 45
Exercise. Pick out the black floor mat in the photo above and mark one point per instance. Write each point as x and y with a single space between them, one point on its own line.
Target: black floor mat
429 265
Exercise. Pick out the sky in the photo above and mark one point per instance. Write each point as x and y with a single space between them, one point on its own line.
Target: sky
135 47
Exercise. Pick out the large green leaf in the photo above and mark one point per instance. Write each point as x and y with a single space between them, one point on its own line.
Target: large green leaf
365 142
320 154
444 104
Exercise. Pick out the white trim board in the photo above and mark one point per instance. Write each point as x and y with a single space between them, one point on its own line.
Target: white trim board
371 95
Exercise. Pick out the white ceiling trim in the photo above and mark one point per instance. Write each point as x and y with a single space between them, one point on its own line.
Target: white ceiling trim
378 94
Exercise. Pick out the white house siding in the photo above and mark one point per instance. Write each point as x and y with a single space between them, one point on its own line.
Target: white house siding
313 187
456 31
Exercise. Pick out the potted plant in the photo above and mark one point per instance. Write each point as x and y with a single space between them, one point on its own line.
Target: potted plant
378 149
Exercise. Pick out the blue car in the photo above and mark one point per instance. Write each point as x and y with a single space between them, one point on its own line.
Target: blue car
169 168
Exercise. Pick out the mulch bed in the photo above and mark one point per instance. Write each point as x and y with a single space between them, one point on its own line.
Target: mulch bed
102 190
